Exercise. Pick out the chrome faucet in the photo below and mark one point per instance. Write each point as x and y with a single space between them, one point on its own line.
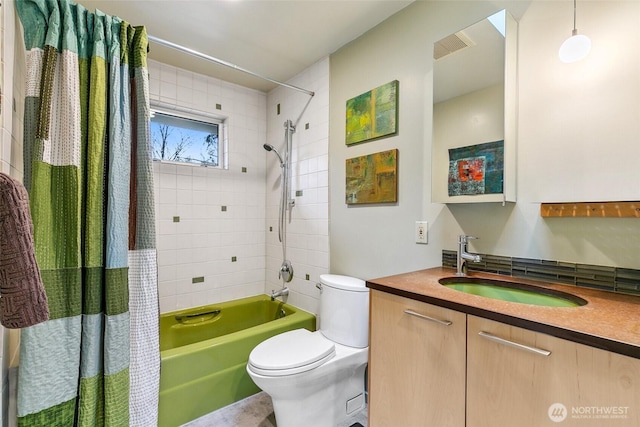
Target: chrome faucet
281 293
464 256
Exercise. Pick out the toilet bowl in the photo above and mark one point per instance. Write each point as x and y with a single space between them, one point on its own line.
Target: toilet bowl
317 379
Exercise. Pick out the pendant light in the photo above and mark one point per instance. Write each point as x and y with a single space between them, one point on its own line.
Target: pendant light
577 46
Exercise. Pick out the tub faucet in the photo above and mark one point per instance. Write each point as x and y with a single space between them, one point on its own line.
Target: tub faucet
464 256
281 293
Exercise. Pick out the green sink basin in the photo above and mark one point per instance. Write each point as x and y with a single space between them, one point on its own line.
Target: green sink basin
512 292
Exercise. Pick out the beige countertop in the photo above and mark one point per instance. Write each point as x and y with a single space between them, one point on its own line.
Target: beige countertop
610 321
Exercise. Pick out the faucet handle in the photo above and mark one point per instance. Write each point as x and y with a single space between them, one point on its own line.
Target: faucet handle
463 238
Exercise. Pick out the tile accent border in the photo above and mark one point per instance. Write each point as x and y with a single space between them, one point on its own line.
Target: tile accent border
612 279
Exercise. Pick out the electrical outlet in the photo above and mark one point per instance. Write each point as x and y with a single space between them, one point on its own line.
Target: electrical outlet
422 232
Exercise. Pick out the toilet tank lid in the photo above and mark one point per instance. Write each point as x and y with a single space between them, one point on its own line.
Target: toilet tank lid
346 283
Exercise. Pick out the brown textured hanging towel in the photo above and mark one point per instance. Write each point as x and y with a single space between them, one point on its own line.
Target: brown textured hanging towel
23 301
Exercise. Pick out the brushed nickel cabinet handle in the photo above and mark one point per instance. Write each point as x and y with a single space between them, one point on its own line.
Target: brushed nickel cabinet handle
514 344
432 319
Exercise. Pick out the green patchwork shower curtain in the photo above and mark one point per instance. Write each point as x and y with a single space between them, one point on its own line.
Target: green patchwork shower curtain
87 166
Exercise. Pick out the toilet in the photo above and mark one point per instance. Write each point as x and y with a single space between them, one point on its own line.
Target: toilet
317 379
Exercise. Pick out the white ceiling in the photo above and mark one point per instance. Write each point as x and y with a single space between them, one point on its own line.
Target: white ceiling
273 38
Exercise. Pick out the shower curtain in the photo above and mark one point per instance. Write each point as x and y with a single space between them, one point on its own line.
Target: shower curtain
87 166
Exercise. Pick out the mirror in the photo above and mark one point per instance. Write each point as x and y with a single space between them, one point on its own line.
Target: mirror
473 152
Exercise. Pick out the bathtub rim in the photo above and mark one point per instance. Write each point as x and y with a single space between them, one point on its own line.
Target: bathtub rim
201 345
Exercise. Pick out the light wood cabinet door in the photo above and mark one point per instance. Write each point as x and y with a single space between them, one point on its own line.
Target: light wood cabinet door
417 358
511 381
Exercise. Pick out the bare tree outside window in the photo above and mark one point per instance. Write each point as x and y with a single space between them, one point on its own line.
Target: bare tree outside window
211 145
179 139
163 149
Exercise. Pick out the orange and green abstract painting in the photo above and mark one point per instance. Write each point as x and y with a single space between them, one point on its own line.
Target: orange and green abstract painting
476 169
372 178
373 114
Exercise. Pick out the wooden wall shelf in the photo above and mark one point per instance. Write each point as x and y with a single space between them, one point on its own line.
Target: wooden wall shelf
591 209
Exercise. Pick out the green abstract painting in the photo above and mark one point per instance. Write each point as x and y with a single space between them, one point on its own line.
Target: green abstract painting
373 114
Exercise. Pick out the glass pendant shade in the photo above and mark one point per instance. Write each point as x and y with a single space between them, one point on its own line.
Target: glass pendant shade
575 48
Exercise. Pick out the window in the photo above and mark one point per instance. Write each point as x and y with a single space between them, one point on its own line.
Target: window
186 138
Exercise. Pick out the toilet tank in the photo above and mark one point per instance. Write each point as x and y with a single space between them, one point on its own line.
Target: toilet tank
344 310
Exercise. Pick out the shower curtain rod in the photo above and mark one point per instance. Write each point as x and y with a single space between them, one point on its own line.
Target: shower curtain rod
225 63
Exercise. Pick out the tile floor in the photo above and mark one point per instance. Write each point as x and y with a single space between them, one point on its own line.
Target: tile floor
255 411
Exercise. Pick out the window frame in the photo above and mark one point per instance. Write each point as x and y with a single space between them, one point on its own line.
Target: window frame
198 116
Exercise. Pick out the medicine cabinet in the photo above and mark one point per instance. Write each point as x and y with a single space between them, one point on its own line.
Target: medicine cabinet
474 113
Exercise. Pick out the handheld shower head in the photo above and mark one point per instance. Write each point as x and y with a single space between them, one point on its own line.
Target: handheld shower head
270 147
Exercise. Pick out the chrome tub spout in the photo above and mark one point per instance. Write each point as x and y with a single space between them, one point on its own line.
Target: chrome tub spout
281 293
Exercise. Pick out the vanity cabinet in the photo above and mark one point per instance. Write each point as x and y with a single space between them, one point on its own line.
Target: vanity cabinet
525 378
416 363
432 366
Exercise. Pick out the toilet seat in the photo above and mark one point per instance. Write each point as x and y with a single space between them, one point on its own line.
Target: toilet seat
291 353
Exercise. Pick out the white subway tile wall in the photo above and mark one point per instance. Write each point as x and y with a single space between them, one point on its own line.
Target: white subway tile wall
308 228
207 216
196 237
